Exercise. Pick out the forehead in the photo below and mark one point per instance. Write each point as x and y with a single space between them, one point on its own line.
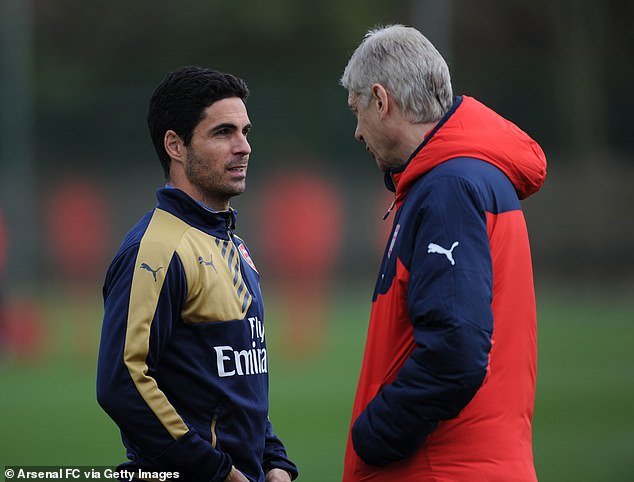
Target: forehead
352 99
230 110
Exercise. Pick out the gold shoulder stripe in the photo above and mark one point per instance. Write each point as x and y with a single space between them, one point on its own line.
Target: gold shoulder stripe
157 247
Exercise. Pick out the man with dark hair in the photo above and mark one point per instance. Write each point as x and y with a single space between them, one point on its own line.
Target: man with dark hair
448 377
183 367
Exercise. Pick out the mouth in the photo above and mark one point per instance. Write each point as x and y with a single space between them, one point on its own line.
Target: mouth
239 170
239 166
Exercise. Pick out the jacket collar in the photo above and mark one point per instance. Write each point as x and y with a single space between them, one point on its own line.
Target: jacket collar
181 205
393 175
470 129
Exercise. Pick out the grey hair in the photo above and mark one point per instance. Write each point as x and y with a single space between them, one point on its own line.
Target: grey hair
410 68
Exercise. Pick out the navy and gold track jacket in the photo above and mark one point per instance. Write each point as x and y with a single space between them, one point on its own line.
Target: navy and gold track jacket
183 367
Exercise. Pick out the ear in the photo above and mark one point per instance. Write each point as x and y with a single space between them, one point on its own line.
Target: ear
174 146
381 99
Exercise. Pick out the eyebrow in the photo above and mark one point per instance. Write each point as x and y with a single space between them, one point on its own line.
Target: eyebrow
228 125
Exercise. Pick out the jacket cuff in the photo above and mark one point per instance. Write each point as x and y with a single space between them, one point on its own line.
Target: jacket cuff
369 447
283 464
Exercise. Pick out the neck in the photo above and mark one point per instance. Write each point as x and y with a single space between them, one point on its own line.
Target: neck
211 202
412 137
405 140
215 204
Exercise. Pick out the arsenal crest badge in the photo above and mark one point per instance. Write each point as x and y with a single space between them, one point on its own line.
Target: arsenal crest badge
247 258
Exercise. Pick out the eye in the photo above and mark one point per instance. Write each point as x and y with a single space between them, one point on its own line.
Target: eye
246 131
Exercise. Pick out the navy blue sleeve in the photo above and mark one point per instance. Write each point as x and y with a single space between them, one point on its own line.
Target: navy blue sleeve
275 454
144 427
449 298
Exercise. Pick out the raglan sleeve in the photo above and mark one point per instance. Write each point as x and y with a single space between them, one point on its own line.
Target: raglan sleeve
141 304
275 454
449 297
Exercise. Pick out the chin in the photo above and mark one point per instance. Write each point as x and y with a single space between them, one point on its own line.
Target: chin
236 190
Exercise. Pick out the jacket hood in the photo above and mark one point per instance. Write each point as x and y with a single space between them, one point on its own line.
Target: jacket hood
470 129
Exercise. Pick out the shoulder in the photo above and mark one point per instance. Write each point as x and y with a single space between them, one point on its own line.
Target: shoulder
467 179
135 234
156 227
154 238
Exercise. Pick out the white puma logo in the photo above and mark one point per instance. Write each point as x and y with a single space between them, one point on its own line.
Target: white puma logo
434 248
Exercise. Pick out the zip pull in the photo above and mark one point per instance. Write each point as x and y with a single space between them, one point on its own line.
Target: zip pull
386 215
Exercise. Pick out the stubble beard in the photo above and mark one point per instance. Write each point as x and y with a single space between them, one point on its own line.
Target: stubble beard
209 183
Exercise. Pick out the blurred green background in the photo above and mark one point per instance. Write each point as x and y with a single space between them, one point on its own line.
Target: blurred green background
77 169
583 422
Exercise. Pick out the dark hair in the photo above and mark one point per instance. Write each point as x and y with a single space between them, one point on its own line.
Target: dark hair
178 103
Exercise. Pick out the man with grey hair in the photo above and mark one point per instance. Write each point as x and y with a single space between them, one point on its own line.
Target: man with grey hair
447 384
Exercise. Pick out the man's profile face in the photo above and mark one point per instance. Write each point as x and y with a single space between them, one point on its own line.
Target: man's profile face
218 154
368 128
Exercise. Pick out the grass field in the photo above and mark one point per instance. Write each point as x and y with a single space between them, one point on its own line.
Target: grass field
584 414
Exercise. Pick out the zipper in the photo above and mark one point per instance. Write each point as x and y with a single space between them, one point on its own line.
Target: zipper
389 210
214 438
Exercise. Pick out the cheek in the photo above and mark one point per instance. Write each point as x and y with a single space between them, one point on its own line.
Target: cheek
211 156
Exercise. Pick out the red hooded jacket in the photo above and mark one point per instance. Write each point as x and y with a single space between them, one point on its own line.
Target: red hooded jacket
447 384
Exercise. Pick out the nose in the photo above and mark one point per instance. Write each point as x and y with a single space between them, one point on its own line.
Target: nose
357 134
242 145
